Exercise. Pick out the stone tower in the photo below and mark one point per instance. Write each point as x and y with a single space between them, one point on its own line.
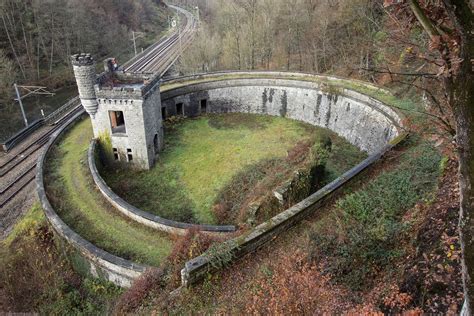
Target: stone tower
125 107
86 78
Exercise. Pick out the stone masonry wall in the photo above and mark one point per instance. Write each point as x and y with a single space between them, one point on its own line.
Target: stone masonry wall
142 116
364 122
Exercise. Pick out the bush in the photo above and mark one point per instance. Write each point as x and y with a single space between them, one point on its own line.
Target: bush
369 222
36 277
159 282
292 287
149 283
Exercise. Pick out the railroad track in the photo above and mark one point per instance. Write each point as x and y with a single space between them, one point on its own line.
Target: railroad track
160 56
25 176
16 186
157 59
14 161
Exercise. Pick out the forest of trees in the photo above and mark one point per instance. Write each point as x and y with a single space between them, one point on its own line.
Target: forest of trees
37 37
301 35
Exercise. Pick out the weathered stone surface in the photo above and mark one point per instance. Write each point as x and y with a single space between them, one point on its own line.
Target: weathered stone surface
84 71
137 96
363 121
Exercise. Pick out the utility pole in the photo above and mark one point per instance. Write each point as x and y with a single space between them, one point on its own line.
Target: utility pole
18 98
31 90
180 43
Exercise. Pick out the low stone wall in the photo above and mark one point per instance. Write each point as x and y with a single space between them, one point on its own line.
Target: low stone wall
140 216
197 268
100 263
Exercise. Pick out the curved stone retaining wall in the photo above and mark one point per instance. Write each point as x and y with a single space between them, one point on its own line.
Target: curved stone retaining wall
363 121
140 216
99 263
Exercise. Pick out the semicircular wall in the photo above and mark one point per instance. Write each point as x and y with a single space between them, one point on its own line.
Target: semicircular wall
363 121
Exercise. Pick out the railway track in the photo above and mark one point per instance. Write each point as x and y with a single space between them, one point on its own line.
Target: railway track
160 56
157 59
16 186
26 158
16 159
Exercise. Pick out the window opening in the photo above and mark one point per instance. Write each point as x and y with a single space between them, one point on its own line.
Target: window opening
179 109
204 106
117 122
163 113
116 154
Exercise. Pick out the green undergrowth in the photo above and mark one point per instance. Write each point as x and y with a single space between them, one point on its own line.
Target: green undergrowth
71 190
203 155
36 277
365 233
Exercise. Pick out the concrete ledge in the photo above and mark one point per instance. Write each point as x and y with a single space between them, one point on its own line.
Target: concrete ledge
142 217
221 75
101 263
195 269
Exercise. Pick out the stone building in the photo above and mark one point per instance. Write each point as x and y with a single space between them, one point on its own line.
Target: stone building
125 107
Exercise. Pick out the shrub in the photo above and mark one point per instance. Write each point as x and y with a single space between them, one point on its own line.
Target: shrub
159 282
189 246
293 287
36 277
105 152
149 283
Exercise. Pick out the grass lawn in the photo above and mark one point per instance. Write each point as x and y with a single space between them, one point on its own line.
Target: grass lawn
203 154
70 188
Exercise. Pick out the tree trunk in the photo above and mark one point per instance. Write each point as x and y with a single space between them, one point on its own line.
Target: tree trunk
464 115
13 47
461 97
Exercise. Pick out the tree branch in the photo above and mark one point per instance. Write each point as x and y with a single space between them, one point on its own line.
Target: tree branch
425 22
415 74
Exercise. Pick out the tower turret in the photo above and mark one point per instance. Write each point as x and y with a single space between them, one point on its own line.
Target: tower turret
86 78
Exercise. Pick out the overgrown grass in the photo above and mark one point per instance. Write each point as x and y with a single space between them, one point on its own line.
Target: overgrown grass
36 277
310 164
368 226
203 155
72 192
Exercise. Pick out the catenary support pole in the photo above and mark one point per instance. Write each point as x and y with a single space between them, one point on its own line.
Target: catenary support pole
18 98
